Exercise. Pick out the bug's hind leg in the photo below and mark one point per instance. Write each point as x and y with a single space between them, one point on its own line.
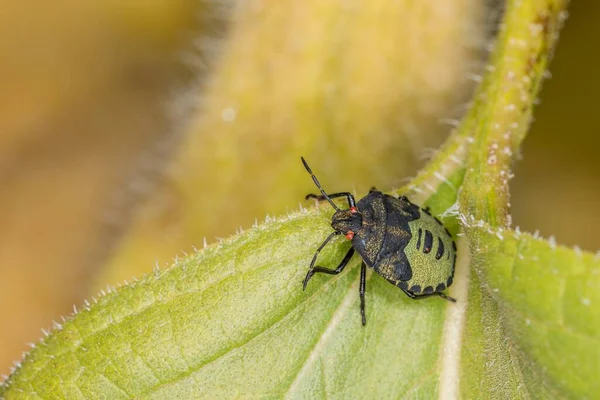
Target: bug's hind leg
422 296
313 270
443 296
362 290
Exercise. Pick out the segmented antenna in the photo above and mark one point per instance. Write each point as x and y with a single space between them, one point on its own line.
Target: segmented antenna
316 181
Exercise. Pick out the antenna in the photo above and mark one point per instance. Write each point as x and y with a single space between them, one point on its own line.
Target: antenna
316 181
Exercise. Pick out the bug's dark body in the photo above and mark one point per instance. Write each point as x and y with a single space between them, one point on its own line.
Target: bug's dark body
388 242
401 242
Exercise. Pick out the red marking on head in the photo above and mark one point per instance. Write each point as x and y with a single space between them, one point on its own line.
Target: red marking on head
349 235
353 210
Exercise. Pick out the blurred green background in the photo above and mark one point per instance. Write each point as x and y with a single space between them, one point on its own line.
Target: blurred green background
557 184
102 178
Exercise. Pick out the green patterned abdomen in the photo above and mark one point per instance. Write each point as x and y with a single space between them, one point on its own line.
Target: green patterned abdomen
431 253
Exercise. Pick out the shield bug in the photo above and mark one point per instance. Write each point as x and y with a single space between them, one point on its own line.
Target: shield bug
401 241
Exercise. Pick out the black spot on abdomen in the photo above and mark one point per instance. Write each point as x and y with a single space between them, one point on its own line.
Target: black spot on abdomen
440 250
428 242
419 240
416 289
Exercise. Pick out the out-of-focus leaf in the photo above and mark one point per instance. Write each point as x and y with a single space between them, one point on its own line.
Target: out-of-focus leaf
359 89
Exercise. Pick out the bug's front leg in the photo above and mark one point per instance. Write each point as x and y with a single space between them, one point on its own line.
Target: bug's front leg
313 270
349 197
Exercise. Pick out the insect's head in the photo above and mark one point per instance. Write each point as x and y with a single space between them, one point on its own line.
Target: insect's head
347 222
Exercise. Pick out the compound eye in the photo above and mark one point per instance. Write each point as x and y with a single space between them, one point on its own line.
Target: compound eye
353 210
350 235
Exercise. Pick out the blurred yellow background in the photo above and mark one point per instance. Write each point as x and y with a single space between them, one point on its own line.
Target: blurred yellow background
82 93
99 182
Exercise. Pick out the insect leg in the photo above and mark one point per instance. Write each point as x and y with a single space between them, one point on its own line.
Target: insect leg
443 296
409 294
347 195
361 291
422 296
313 270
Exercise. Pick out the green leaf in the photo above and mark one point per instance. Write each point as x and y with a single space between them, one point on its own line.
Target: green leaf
232 320
545 301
